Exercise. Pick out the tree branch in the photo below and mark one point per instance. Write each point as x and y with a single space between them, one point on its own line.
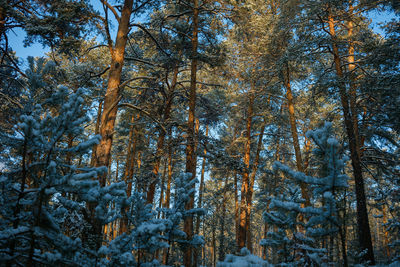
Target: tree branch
144 112
111 8
151 37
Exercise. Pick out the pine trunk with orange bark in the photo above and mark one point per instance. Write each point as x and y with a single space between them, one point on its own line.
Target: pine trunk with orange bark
109 114
112 96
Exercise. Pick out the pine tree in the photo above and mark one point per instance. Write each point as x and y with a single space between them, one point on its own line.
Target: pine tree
42 190
301 247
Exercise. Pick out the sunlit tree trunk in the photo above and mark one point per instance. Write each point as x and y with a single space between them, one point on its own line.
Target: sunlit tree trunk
107 122
108 116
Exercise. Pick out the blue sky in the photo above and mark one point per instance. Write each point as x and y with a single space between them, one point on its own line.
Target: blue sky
17 36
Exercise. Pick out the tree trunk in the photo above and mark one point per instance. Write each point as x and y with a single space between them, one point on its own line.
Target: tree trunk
386 232
129 167
245 180
236 207
251 188
112 95
2 21
161 138
221 253
170 169
364 232
190 149
203 167
213 241
96 131
201 188
295 137
111 98
352 78
129 152
160 202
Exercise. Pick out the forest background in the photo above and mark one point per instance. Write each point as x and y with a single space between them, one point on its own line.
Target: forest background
200 133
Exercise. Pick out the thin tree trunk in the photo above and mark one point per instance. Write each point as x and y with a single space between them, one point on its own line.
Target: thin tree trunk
2 22
221 253
117 170
96 131
364 232
199 204
162 188
190 149
236 207
213 243
129 168
170 169
386 232
251 188
245 179
295 137
161 138
129 152
203 167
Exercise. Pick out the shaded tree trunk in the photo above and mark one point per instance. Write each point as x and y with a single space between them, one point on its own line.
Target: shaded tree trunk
160 203
96 131
170 169
236 207
161 138
129 168
245 180
295 137
251 188
201 188
221 253
190 148
364 232
386 232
